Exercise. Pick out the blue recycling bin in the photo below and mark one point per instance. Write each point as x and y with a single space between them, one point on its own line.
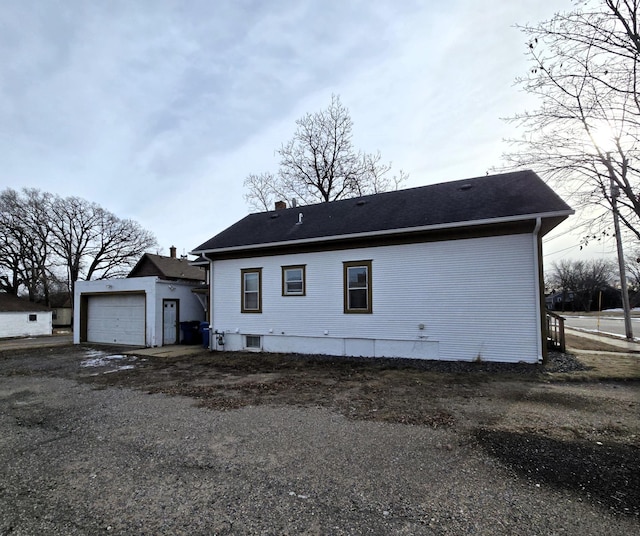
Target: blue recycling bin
204 330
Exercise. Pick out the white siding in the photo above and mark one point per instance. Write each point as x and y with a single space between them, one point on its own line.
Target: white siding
455 300
189 307
17 324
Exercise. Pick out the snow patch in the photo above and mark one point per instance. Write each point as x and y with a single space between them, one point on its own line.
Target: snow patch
117 369
99 358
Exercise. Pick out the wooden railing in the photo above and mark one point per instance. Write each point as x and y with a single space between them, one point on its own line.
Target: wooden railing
555 332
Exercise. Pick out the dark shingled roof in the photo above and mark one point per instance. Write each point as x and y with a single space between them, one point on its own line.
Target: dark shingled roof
10 303
166 268
518 196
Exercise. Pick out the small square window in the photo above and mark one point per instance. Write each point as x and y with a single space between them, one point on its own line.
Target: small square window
293 280
252 341
33 318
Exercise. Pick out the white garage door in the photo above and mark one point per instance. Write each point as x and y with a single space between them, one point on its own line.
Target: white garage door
117 319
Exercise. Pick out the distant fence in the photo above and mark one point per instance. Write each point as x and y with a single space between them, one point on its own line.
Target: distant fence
555 332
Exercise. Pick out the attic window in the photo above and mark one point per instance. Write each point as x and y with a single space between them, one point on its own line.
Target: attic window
33 318
465 187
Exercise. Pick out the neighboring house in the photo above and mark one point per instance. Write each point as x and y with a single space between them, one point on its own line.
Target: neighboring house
451 271
62 310
606 298
560 301
168 268
144 309
22 318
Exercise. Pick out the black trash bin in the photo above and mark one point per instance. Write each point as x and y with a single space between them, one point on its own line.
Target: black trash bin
204 332
190 332
187 333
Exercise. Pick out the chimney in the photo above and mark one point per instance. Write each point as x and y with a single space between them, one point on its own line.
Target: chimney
172 252
281 205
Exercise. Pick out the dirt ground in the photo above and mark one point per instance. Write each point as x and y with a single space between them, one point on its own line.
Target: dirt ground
546 421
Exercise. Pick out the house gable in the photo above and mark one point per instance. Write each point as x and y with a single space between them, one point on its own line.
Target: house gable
168 268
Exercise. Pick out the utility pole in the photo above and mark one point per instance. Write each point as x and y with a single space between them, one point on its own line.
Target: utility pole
615 192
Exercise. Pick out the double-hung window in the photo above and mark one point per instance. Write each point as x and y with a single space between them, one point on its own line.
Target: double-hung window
251 283
293 280
357 287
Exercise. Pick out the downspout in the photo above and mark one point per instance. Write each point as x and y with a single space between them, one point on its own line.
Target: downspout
539 288
212 336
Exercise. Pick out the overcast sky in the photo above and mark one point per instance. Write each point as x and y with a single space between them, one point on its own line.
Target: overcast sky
158 110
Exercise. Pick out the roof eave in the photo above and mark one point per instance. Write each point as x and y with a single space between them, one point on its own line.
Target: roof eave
442 226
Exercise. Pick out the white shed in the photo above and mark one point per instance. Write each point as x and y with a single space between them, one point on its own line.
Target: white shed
22 318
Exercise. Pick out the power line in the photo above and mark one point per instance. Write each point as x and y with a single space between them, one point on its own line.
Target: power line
561 250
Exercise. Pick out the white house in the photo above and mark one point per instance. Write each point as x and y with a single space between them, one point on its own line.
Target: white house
451 271
144 309
22 318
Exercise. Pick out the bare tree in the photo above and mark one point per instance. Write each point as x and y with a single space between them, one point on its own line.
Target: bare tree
320 164
94 243
633 276
117 247
582 278
75 227
25 254
585 134
262 190
42 235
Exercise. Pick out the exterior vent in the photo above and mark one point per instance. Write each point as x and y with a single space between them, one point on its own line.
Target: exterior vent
465 187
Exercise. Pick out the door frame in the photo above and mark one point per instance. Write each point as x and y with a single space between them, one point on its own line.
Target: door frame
177 302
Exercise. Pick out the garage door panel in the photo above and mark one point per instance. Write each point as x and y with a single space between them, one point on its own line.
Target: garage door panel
116 319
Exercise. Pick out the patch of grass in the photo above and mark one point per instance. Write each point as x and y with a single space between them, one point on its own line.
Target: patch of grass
575 342
605 362
605 367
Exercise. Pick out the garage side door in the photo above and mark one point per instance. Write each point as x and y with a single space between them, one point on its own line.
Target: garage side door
116 319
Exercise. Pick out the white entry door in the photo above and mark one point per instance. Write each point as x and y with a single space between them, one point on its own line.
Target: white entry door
169 321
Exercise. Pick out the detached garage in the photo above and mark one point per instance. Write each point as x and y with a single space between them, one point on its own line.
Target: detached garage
137 311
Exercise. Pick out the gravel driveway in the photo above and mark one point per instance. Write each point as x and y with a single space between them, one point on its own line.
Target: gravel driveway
85 458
